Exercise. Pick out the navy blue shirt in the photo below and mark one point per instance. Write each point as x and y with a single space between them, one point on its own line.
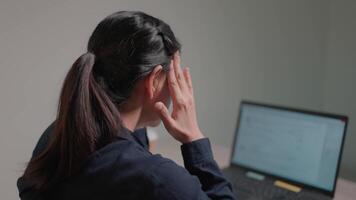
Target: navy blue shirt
125 169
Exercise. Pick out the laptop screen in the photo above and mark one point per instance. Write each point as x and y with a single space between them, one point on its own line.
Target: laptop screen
295 145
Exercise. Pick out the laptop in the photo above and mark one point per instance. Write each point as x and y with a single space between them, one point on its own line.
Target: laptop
285 153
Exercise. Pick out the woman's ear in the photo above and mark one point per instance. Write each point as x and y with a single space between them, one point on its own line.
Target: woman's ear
151 82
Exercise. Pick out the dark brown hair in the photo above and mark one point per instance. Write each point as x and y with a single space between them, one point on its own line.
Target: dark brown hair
123 48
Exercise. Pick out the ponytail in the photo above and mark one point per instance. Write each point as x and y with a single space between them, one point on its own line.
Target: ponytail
87 119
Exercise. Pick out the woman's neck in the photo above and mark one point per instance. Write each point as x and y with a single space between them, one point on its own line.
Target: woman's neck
130 119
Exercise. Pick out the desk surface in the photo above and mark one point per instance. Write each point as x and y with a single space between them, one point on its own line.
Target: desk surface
169 148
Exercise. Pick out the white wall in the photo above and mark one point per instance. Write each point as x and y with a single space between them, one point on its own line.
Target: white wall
272 51
340 79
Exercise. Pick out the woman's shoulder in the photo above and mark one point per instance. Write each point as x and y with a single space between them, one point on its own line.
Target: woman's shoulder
125 155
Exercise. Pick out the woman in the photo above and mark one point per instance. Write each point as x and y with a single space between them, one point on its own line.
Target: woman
122 84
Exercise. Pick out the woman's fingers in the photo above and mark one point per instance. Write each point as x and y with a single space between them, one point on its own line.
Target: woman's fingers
173 84
188 79
164 114
182 123
178 72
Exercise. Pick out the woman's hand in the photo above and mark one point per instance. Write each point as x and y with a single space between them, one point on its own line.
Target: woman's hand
182 123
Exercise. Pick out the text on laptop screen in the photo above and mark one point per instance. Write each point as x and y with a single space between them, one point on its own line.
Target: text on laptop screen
297 146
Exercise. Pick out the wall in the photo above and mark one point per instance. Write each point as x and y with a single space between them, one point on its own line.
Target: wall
340 78
269 51
272 51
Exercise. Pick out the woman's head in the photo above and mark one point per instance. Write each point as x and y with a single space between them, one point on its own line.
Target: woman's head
128 46
127 58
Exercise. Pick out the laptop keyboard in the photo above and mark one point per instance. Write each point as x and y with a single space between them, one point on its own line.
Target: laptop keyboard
251 189
246 188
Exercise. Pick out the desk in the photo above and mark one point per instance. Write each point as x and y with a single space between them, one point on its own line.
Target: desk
169 148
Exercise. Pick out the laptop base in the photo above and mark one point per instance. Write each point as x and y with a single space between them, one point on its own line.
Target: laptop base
246 188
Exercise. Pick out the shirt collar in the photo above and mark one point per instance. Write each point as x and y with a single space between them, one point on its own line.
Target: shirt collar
125 133
138 136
